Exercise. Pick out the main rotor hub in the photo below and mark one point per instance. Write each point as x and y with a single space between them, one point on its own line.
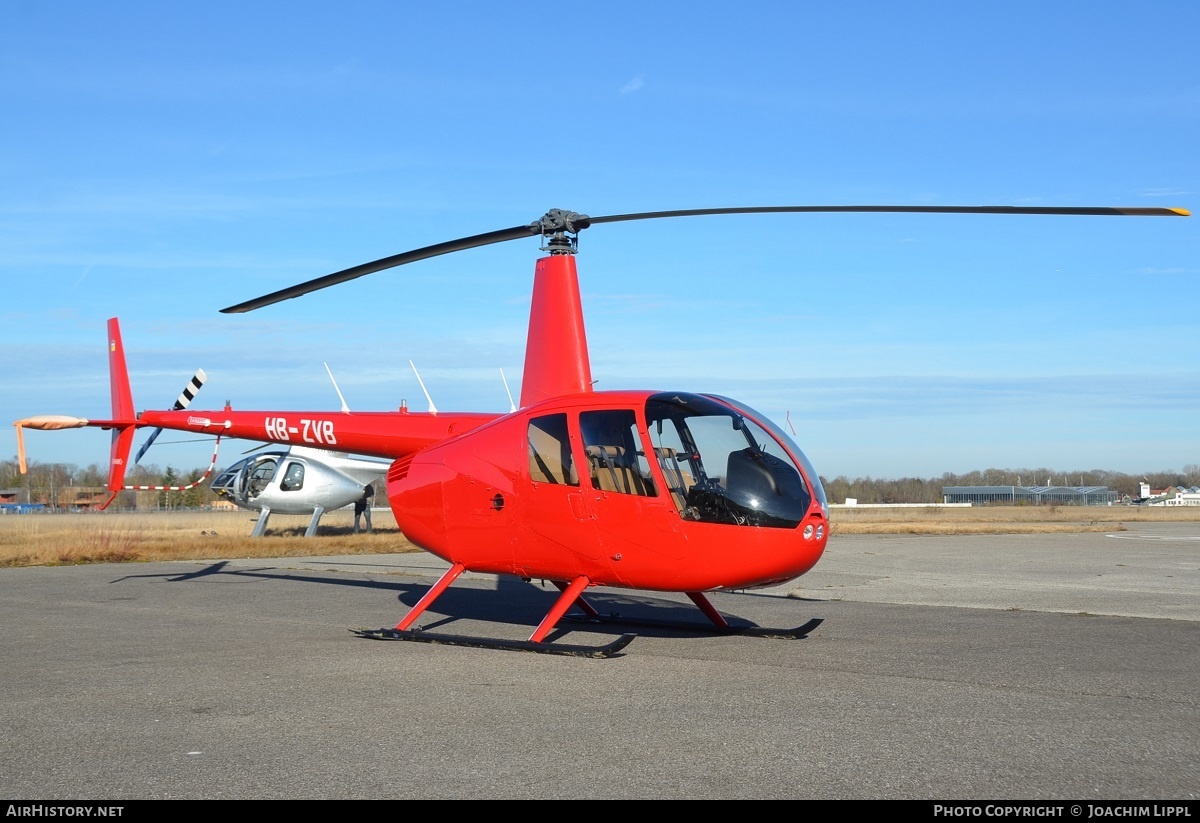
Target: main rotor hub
561 230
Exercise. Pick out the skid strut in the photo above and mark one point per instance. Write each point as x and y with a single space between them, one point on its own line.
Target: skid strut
719 624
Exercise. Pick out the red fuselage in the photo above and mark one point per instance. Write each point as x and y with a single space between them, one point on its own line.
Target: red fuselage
486 501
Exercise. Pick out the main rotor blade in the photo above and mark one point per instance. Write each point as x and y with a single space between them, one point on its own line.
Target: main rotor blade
462 244
1081 210
554 221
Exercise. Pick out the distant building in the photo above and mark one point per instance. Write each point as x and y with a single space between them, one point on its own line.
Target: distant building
83 497
73 498
1030 495
1170 496
10 503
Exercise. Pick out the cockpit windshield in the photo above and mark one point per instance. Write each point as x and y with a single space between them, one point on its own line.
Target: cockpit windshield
780 435
722 465
247 478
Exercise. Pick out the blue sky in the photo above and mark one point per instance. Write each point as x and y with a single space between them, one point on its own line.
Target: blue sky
161 161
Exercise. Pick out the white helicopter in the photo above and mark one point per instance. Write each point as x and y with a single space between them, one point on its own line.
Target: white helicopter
293 480
299 480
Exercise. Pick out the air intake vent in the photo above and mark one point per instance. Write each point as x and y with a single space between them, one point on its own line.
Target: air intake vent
399 469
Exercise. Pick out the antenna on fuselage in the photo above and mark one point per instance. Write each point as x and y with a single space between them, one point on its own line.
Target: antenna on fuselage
345 408
432 408
512 407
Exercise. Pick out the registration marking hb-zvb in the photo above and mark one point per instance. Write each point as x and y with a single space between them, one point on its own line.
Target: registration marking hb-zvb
320 432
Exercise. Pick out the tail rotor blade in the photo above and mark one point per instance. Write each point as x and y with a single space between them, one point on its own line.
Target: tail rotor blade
182 402
189 391
146 446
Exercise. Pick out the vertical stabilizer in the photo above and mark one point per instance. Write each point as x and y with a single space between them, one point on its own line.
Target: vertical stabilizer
122 410
556 351
118 374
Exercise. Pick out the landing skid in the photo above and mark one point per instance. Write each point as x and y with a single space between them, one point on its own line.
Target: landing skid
615 619
570 594
607 650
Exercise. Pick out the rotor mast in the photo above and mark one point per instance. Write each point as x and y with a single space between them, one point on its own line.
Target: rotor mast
556 350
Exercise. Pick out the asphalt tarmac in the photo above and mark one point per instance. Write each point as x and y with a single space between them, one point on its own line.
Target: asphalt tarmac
1032 668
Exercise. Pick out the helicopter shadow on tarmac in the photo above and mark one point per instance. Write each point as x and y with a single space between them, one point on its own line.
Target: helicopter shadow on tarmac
506 600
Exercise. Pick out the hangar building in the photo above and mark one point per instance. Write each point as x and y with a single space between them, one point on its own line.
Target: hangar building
1030 495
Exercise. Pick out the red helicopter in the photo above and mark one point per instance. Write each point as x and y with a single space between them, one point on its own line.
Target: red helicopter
641 489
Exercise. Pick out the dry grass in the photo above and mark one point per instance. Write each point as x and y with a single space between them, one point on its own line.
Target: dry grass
103 537
999 519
